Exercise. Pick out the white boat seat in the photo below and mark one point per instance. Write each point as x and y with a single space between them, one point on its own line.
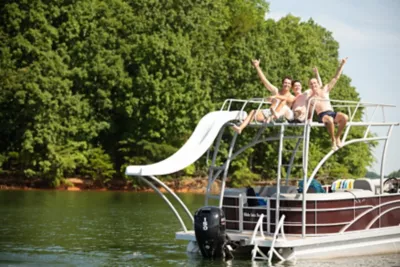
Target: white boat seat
365 184
350 194
268 191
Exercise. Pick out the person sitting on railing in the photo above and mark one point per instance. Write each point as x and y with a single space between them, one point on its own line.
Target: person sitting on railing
324 108
265 115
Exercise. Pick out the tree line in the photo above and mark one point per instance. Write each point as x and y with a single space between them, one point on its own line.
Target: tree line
88 87
393 174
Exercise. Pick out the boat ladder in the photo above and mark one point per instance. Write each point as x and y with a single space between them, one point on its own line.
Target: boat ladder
257 254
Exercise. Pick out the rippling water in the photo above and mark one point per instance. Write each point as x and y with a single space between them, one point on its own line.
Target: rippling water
60 228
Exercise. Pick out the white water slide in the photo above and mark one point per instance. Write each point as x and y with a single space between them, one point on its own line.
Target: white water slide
198 143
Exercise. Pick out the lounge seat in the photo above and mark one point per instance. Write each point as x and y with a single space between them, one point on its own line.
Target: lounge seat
351 194
268 191
372 185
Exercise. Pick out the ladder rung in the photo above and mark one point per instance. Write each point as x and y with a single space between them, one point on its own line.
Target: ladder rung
217 167
287 150
298 136
293 165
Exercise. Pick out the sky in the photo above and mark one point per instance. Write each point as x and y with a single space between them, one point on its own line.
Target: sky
368 32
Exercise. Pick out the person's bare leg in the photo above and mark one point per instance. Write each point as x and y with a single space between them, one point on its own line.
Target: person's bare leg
268 119
259 116
275 109
330 126
341 120
288 113
246 121
275 103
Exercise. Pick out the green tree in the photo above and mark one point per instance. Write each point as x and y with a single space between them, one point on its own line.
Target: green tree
46 125
394 174
88 87
371 174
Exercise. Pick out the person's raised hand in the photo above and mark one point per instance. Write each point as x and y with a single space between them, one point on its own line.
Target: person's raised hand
256 62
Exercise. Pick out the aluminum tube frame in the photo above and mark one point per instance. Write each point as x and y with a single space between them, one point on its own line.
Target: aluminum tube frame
175 196
289 170
384 156
227 163
211 168
278 178
331 152
167 201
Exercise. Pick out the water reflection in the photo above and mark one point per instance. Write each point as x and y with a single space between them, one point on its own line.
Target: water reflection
47 228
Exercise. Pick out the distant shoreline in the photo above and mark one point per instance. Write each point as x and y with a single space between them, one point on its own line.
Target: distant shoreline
187 185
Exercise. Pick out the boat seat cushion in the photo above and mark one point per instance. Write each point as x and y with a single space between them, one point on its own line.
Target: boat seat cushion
350 194
268 191
365 184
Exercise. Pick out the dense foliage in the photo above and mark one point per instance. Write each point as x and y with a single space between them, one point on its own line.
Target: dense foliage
88 87
395 174
371 174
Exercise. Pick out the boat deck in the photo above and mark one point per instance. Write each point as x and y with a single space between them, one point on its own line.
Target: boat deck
290 241
244 236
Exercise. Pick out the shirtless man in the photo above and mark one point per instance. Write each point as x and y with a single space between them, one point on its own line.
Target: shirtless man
264 115
299 107
324 108
297 114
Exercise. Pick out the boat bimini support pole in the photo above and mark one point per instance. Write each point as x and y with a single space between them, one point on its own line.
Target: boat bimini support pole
278 179
306 145
212 167
289 170
226 169
330 153
384 157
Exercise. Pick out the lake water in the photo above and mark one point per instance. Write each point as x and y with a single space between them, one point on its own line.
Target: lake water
61 228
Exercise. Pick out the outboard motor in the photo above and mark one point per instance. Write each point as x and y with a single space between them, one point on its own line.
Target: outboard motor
209 227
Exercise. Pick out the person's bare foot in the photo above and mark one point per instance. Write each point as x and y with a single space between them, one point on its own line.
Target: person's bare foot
338 142
237 129
334 146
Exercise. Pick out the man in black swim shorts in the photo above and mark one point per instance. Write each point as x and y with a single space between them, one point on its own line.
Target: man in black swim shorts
324 108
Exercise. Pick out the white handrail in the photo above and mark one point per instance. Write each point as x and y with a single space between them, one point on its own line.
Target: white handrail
259 226
272 250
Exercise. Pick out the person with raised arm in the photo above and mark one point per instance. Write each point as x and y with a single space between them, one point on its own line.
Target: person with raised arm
299 106
265 114
324 108
297 114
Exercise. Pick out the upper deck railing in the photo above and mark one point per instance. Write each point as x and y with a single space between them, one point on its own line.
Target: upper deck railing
348 107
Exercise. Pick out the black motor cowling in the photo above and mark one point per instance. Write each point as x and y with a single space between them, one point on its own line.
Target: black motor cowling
209 227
